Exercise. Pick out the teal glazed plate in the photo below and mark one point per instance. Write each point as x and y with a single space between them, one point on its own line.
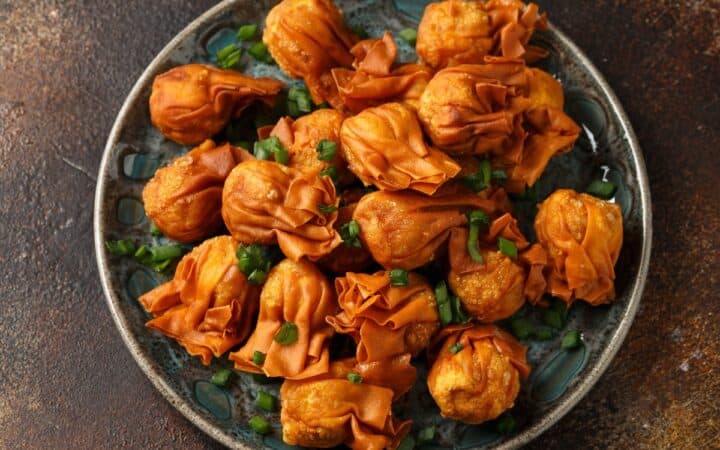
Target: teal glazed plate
607 149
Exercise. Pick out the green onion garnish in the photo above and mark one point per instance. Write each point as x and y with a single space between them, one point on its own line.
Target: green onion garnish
265 401
603 189
326 150
122 247
292 109
154 230
408 35
498 174
553 318
327 209
259 425
350 234
258 358
522 328
221 377
271 146
459 314
507 247
455 348
477 219
479 180
399 277
330 172
323 105
426 434
287 334
260 52
506 424
247 32
254 261
407 444
228 56
443 302
159 258
543 334
571 340
354 378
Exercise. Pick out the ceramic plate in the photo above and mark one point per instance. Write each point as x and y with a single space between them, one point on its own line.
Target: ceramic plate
607 149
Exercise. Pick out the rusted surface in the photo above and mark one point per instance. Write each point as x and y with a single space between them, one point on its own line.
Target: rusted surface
66 379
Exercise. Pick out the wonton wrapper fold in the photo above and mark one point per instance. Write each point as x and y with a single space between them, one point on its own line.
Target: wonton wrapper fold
194 102
265 202
299 293
208 307
328 410
384 146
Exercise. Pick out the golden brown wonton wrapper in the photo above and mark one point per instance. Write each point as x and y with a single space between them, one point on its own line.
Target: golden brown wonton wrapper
329 410
374 80
494 289
482 379
265 202
184 198
386 321
454 32
307 38
345 258
194 102
209 306
582 236
301 137
384 146
299 293
405 229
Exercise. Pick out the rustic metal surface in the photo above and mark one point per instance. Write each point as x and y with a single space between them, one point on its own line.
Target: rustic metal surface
67 381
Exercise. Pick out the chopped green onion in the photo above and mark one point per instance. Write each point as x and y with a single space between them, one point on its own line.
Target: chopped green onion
354 378
301 96
326 150
154 230
327 209
455 348
159 257
258 358
499 174
260 52
359 31
292 109
443 302
221 377
254 261
408 35
543 334
350 234
287 334
271 146
571 340
247 32
603 189
477 219
426 434
479 180
228 56
522 328
459 314
506 424
399 277
553 319
122 247
507 247
407 444
330 172
259 425
265 401
323 105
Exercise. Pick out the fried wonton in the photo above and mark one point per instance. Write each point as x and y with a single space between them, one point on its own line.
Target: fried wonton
476 375
493 289
209 306
582 235
386 321
375 80
330 410
184 198
295 293
346 257
308 38
384 146
194 102
265 202
405 229
301 138
454 32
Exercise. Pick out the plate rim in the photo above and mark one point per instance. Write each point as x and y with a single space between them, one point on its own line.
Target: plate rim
579 391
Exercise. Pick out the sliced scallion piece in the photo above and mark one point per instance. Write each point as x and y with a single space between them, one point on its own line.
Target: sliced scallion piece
408 35
443 302
260 52
571 340
247 32
350 234
330 172
287 334
354 378
271 146
507 247
399 277
265 401
327 209
456 348
254 261
602 189
426 434
477 220
258 358
326 150
122 247
221 377
260 425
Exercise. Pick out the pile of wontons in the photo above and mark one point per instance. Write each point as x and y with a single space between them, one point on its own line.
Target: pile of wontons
469 109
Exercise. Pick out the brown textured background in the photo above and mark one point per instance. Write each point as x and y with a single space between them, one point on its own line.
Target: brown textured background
66 379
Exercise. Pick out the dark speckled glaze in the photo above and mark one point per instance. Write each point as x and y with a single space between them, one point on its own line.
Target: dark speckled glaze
608 148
